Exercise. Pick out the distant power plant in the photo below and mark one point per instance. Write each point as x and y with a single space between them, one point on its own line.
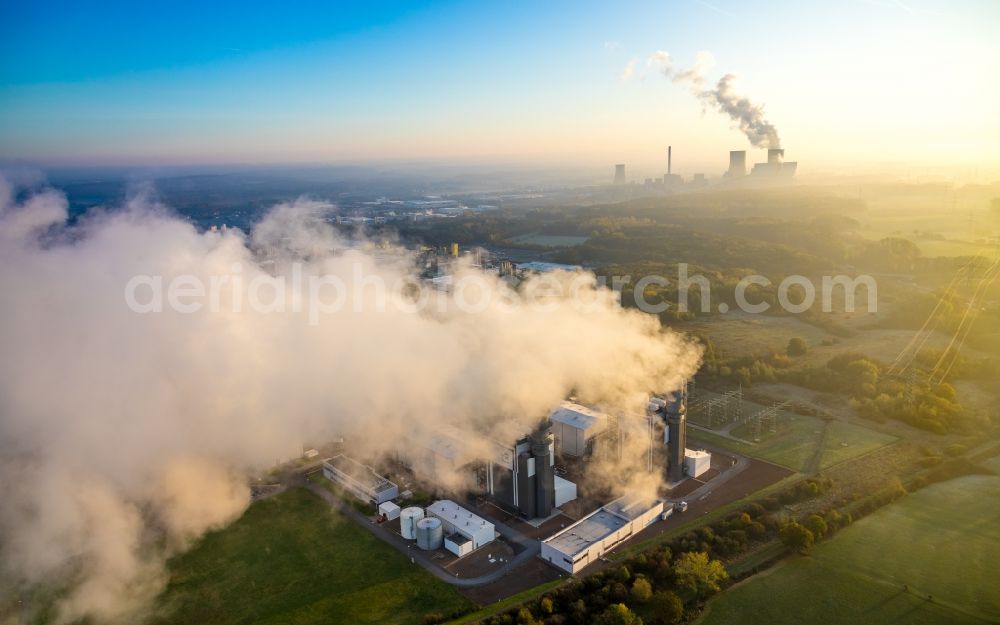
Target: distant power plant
774 167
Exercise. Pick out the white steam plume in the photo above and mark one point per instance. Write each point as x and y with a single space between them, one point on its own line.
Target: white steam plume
126 436
749 117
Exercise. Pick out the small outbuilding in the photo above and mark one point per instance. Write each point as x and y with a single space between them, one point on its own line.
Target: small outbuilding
389 510
696 462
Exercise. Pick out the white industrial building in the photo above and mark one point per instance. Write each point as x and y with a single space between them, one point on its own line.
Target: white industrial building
360 479
565 491
696 462
575 427
389 510
591 537
464 531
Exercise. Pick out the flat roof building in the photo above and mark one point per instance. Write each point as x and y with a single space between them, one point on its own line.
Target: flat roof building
464 531
360 479
587 540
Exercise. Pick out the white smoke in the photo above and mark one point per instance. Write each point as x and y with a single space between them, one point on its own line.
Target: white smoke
749 117
126 436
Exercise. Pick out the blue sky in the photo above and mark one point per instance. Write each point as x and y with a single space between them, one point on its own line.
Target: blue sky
900 84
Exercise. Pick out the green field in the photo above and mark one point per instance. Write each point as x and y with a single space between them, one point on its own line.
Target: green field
794 442
846 440
942 542
291 560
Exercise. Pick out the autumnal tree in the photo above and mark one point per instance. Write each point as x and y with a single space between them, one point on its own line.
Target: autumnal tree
618 614
797 537
546 605
796 346
696 572
666 607
642 590
817 525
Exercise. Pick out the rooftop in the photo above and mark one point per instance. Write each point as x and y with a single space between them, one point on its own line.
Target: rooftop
630 506
456 515
586 531
597 525
578 416
359 472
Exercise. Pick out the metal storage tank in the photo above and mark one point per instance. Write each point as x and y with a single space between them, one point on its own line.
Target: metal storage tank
430 533
408 518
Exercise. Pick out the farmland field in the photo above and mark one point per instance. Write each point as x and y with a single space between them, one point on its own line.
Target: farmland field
847 440
292 560
794 442
741 334
928 558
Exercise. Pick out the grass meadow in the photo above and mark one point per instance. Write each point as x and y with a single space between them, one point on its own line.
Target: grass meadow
292 560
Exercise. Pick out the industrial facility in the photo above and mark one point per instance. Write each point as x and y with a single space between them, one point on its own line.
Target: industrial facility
591 537
772 170
520 478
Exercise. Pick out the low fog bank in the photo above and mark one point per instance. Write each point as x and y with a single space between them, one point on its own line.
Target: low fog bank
126 436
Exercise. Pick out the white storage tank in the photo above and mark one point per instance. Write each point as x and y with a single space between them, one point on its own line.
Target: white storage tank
408 519
430 533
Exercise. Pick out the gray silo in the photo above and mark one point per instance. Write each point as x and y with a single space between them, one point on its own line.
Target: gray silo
430 533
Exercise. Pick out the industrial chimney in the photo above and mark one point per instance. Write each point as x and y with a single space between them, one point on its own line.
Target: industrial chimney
541 450
676 415
670 150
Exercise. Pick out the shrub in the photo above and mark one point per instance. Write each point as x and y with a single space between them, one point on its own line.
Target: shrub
642 590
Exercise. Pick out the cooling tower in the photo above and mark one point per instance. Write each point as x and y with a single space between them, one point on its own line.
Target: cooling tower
737 163
620 174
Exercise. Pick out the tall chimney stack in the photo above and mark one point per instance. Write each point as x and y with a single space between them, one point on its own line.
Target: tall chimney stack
670 150
676 416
